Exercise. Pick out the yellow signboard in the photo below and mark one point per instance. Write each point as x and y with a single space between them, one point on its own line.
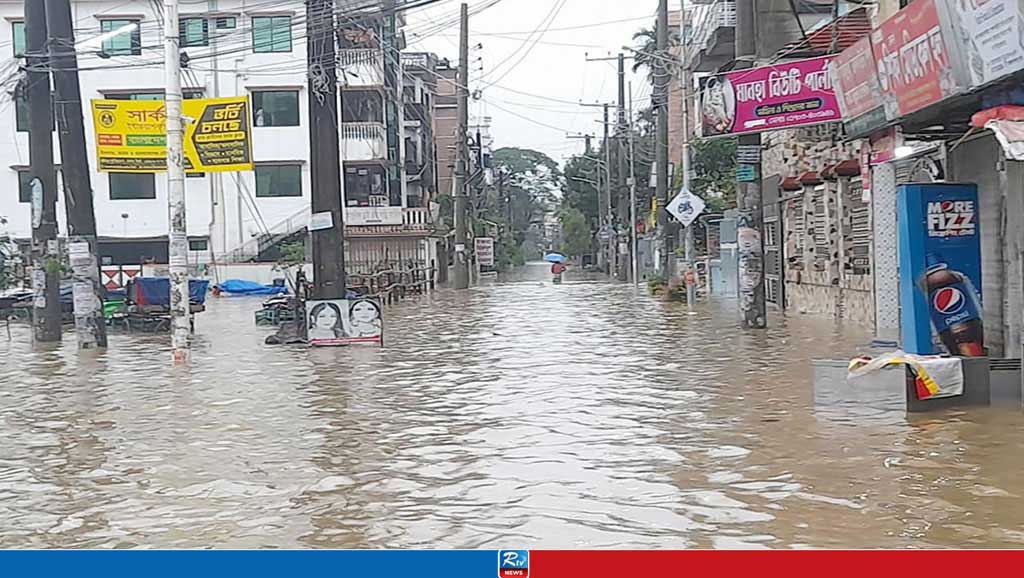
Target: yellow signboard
131 135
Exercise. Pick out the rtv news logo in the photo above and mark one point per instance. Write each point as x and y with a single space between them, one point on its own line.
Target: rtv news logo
513 564
951 219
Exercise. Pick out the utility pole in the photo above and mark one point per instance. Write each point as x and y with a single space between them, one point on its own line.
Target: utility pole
177 237
90 327
622 180
750 220
661 77
461 277
691 287
632 195
608 196
325 156
46 309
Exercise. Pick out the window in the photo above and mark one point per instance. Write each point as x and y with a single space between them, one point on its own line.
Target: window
226 23
278 180
128 42
18 32
275 108
198 245
194 31
365 186
124 186
21 107
362 106
25 185
272 34
150 95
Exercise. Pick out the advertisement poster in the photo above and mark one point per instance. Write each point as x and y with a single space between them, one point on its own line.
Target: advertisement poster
344 322
131 135
940 268
988 37
912 54
485 251
857 89
779 96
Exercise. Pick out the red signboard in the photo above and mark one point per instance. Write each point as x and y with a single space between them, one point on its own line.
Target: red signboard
857 79
914 64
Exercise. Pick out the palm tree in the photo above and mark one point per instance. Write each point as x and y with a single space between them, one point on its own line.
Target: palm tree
645 53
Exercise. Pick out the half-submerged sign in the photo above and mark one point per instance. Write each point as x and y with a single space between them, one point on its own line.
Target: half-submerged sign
131 135
344 321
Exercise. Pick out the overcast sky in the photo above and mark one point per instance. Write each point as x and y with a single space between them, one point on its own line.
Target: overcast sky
550 66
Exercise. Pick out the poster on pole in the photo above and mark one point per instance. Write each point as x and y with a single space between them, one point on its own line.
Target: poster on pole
686 207
333 322
485 251
131 135
774 97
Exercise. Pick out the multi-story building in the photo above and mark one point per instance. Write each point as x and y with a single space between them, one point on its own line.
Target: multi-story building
233 48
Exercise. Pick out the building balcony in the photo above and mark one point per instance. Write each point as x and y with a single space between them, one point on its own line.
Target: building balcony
713 36
360 67
387 221
363 141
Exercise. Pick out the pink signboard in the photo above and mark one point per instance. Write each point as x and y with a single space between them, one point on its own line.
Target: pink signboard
779 96
911 51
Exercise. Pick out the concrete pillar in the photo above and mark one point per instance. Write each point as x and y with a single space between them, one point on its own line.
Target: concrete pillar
884 252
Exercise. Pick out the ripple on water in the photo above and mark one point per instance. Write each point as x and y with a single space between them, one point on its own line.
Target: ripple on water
518 413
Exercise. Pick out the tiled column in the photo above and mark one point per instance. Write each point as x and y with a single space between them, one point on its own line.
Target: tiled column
884 252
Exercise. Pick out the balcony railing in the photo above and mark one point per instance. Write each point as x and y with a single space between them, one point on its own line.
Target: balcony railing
363 141
709 18
361 67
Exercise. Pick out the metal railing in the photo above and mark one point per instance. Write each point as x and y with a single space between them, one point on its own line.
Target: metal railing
360 56
253 247
368 131
707 19
393 285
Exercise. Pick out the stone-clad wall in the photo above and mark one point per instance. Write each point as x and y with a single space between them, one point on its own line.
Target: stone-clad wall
827 264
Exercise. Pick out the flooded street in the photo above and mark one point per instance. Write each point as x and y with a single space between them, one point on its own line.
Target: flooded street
518 414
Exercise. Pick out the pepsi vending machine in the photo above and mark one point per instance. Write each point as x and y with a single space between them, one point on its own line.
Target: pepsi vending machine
940 269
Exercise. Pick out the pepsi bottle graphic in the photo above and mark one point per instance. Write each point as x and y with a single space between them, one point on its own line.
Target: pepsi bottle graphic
955 311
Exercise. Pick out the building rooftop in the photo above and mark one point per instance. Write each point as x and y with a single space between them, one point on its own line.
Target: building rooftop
852 26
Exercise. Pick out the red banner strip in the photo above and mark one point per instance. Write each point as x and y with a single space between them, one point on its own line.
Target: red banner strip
775 564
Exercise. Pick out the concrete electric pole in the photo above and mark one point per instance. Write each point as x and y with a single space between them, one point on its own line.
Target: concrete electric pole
686 80
661 80
35 90
750 220
461 277
177 237
325 158
90 327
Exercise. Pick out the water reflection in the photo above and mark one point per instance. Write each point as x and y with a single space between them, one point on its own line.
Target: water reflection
518 413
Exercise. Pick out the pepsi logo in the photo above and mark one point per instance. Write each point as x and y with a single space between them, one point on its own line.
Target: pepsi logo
948 300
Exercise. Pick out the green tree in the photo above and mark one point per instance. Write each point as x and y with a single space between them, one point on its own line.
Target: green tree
714 172
645 55
8 258
576 233
524 191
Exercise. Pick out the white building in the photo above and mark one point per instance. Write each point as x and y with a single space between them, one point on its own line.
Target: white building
234 48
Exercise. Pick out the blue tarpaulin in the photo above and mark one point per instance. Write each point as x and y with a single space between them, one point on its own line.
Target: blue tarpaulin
157 291
239 287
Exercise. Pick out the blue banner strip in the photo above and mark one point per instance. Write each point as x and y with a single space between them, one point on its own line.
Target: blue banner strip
248 563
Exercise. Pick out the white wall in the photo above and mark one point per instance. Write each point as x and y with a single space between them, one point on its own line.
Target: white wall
236 70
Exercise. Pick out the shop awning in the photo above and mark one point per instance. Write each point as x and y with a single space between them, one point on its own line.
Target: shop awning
1007 122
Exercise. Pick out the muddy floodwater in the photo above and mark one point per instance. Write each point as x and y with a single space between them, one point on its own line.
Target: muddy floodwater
517 414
